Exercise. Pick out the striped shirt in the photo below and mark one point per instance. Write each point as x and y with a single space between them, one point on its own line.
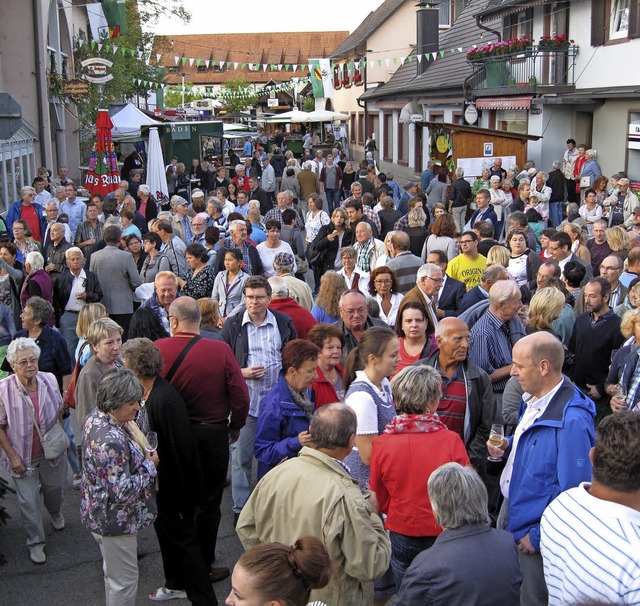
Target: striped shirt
490 346
265 349
591 549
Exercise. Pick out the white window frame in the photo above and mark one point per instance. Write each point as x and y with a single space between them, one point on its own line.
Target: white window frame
619 17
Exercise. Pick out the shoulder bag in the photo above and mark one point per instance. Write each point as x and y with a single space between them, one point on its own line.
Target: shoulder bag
70 396
55 441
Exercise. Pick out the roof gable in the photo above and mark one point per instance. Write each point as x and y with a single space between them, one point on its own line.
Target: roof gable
370 24
445 73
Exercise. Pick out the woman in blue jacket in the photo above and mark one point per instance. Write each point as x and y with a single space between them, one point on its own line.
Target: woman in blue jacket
286 410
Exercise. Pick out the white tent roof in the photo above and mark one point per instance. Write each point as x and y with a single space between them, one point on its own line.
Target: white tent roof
323 115
127 122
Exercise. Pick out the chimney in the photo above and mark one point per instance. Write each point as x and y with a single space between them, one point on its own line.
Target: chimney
428 32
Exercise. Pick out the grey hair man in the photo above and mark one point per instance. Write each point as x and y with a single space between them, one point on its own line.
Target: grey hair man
429 279
478 293
354 319
238 239
459 502
489 343
351 530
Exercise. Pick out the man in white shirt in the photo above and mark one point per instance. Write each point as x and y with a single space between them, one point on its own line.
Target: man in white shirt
42 194
590 535
548 453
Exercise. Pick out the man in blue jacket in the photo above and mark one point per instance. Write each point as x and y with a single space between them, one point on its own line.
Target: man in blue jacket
548 453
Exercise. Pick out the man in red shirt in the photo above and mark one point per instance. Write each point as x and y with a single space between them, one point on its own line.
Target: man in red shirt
282 302
210 381
28 210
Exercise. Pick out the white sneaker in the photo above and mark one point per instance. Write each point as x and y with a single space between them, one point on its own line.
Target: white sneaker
36 554
162 594
58 521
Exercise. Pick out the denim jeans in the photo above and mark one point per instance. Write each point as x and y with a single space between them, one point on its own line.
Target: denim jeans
333 199
555 213
241 464
404 549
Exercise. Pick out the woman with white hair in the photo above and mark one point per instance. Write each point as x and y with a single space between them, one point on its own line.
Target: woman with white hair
470 562
38 282
414 444
30 407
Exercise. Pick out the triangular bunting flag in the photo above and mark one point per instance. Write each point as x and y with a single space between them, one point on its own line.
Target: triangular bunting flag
176 59
387 62
402 60
410 59
123 51
107 47
243 65
370 63
158 57
191 60
379 62
140 54
295 67
198 62
459 49
207 63
114 49
221 63
395 60
279 67
184 60
235 65
419 58
80 42
286 67
264 67
132 52
147 55
442 53
228 64
93 44
434 55
99 47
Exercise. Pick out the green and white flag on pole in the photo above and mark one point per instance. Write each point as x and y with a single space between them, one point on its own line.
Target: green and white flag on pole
321 77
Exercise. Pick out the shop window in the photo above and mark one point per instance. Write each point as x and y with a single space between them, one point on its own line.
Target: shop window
512 120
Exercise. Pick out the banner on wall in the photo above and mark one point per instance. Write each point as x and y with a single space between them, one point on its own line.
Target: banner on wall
321 77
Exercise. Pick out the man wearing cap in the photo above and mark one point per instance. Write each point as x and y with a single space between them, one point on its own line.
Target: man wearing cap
410 191
625 199
181 221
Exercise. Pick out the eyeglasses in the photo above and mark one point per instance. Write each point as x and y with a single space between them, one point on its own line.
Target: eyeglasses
255 297
466 241
609 268
553 249
355 312
29 362
436 280
382 282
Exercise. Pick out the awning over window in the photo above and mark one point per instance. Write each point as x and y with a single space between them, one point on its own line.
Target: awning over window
505 103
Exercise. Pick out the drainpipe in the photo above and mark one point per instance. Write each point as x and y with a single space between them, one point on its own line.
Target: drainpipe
363 104
480 69
39 76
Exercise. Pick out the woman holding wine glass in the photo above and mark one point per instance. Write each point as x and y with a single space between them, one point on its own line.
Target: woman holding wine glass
164 421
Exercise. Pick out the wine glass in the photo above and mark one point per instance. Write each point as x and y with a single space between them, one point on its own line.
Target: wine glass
152 441
496 438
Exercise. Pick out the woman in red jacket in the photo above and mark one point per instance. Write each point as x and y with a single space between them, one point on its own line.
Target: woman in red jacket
328 387
411 448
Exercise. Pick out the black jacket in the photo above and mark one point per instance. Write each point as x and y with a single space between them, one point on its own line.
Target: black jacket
254 256
235 334
62 291
330 248
451 297
261 196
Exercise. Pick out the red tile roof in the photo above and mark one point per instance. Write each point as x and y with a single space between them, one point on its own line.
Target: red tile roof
272 48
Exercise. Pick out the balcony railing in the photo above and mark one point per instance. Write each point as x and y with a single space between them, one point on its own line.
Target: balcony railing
529 69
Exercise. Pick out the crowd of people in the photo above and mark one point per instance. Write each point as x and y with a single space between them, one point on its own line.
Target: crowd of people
423 375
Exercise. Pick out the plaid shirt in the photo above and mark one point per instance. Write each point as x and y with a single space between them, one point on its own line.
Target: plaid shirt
86 231
245 255
363 261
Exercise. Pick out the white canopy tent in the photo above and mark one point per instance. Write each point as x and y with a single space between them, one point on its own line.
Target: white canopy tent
295 116
127 123
324 115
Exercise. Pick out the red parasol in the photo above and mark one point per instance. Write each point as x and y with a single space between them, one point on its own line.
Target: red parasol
103 175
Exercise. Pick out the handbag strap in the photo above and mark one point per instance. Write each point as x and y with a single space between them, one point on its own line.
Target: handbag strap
31 412
181 357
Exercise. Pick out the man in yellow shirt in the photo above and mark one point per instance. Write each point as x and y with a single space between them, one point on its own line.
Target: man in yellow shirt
469 265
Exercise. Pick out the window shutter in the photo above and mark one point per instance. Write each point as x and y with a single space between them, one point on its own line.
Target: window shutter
598 22
634 19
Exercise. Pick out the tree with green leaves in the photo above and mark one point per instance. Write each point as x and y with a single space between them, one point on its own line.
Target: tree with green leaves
238 95
173 95
130 66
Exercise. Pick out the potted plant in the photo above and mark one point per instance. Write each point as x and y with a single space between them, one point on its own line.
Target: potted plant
560 42
500 49
346 82
336 83
357 79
